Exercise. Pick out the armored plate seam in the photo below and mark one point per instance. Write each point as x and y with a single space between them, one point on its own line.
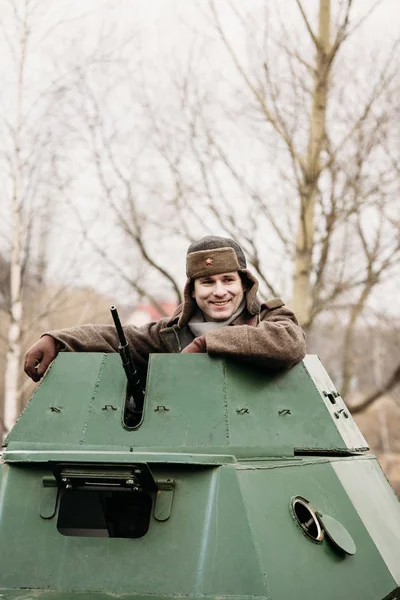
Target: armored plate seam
225 401
255 545
302 462
92 399
27 408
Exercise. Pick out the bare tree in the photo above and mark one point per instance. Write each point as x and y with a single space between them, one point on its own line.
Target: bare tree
328 216
16 163
323 226
312 202
31 163
123 150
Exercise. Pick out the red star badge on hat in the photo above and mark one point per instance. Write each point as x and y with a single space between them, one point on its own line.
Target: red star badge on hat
209 261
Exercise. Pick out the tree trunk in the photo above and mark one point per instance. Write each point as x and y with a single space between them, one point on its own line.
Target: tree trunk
13 357
14 331
302 285
348 346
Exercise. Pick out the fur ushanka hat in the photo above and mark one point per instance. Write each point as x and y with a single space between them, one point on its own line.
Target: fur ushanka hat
212 255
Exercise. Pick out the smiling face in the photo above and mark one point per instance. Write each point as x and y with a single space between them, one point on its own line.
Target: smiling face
219 296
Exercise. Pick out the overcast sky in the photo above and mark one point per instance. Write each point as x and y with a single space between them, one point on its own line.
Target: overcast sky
163 35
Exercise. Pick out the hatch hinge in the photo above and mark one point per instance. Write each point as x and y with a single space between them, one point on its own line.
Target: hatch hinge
136 477
48 498
164 498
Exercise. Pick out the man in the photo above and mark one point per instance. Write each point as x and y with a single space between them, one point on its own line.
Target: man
221 315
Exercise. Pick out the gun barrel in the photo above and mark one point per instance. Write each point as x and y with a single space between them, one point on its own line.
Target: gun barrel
134 401
118 326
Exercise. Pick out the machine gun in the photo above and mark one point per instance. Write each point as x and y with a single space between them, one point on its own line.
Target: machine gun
135 390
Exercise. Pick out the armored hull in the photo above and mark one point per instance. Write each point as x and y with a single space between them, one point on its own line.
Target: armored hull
236 484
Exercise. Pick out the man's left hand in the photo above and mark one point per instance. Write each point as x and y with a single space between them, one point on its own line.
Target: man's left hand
198 345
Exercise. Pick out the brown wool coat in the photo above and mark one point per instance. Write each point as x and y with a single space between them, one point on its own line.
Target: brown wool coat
264 334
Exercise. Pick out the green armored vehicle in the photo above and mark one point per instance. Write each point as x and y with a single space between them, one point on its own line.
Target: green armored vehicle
235 484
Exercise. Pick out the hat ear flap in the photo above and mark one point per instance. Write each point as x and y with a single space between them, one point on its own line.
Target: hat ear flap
246 284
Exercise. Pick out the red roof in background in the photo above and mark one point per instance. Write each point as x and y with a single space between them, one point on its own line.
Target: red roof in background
152 311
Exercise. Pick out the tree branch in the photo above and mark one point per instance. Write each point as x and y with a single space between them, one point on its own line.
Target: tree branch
390 384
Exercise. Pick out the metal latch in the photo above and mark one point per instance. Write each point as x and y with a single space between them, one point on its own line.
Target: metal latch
332 395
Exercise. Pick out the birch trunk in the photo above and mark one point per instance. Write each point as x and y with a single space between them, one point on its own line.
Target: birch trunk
14 334
14 331
302 285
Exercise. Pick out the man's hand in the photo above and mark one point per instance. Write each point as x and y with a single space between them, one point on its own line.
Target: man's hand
198 345
39 356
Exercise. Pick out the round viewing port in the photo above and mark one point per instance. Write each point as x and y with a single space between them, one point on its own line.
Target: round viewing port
307 519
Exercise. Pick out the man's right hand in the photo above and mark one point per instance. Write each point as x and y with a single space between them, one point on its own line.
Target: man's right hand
39 356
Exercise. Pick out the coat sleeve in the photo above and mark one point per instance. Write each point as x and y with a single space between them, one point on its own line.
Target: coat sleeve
103 338
277 341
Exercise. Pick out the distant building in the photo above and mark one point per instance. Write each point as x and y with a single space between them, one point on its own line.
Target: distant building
144 313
